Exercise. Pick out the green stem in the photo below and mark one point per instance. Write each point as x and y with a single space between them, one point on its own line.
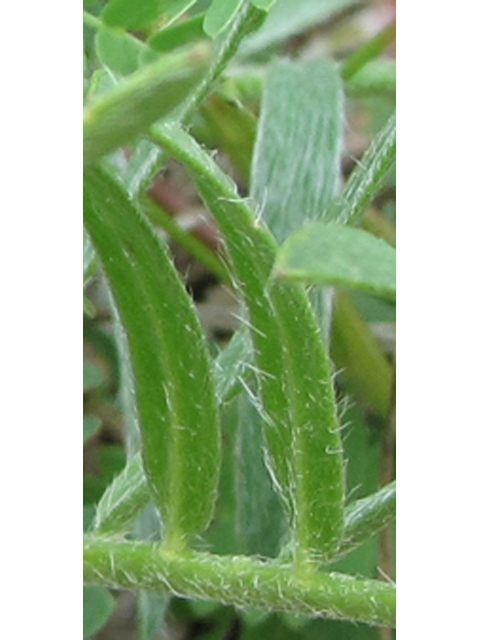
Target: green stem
186 240
367 178
238 581
246 20
370 50
378 77
92 21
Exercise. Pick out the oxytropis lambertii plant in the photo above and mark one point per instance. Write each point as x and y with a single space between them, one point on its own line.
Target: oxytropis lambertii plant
255 430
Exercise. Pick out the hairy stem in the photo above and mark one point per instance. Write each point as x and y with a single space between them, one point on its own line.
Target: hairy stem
238 581
248 19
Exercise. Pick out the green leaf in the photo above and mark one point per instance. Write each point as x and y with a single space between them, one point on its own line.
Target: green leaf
123 499
287 19
98 606
366 517
151 612
132 15
116 51
299 410
129 493
260 523
91 426
129 109
185 32
296 164
219 15
323 253
174 391
366 179
92 376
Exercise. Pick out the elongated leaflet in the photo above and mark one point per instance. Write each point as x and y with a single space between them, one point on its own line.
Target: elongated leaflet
219 15
299 410
148 95
129 492
296 175
369 515
123 499
174 391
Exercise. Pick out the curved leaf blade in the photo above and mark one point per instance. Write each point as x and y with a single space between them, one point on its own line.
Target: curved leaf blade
129 492
130 108
219 15
331 254
123 499
296 162
183 33
368 516
116 51
173 385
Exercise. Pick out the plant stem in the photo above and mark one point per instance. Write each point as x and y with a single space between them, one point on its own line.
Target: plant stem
238 581
92 21
366 180
186 240
368 51
247 19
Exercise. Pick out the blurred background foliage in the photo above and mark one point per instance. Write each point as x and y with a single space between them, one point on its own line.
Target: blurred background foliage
249 519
